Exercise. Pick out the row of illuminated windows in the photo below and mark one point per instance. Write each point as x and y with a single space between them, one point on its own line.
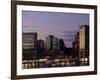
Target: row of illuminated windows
28 46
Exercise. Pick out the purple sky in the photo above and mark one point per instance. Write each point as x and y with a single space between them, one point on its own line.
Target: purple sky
62 25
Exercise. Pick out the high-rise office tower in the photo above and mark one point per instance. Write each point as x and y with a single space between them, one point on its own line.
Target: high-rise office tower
84 42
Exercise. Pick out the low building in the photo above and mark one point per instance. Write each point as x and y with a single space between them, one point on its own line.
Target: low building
29 40
40 44
29 45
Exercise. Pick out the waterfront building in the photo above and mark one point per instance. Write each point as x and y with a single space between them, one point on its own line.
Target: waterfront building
84 42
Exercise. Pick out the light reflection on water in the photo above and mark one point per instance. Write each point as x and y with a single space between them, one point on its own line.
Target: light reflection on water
45 63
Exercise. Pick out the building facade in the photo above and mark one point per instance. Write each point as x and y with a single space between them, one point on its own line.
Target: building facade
75 45
29 45
41 44
51 42
29 40
84 42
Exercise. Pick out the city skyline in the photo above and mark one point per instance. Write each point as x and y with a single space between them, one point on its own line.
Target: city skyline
62 25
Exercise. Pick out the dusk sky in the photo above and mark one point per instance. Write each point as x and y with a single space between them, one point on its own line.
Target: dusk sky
61 25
